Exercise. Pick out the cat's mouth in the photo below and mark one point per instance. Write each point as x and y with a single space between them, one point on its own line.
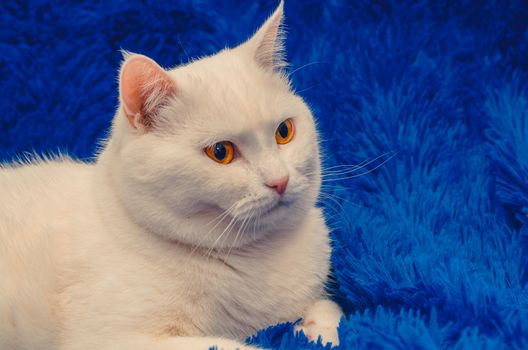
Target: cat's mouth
280 204
270 209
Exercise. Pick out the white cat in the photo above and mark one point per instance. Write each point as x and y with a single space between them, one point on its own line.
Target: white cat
196 225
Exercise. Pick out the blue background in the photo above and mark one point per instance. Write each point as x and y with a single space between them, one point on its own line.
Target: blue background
431 246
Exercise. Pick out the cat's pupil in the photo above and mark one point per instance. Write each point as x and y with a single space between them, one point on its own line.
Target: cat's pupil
283 130
220 151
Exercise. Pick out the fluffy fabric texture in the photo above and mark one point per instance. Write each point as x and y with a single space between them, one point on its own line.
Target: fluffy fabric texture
431 238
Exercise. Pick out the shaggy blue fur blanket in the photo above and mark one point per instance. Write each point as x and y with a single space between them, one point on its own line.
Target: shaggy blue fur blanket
430 234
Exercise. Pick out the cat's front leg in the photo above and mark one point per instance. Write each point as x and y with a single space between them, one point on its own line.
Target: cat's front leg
321 320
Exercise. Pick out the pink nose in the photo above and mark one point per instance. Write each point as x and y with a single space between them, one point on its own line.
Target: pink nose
279 185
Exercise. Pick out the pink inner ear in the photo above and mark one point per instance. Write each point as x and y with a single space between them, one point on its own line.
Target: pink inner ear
144 87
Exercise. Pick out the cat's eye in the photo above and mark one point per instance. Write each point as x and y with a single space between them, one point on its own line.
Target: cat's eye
221 152
284 132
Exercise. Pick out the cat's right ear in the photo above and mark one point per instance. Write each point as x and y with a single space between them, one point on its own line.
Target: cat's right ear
267 44
144 87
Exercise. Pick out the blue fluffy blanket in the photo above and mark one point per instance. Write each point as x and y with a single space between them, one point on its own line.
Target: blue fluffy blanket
431 237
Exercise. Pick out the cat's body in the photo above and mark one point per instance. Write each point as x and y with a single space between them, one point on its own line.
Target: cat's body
102 269
121 255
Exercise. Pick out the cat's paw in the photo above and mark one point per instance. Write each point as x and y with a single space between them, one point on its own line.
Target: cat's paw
321 320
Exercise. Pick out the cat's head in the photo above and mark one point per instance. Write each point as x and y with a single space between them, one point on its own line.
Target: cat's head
218 152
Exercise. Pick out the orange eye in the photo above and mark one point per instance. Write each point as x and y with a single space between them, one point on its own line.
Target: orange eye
284 132
221 152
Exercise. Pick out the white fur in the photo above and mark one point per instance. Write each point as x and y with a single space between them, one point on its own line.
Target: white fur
320 320
133 252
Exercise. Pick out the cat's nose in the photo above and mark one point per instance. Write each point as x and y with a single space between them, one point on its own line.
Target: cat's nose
278 185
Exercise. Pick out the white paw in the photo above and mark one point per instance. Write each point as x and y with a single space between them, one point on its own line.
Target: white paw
321 320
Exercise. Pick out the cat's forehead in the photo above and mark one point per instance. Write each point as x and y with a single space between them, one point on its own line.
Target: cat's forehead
228 91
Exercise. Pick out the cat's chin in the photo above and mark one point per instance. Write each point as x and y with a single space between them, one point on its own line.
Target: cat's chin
238 232
219 228
281 216
275 209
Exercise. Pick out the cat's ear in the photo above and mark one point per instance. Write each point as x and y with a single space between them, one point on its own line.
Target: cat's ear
267 45
144 87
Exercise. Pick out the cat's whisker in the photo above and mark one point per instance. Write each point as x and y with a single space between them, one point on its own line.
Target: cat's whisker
308 88
333 195
228 227
254 228
256 223
240 229
339 186
334 200
220 218
328 187
361 163
331 204
304 66
213 246
345 168
340 212
225 212
183 48
361 174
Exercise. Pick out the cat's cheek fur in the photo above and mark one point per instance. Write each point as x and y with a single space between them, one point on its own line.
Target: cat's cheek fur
163 185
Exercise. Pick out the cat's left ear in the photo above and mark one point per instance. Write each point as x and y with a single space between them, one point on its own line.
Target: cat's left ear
267 45
144 87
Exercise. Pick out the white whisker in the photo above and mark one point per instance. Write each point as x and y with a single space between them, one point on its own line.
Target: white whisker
220 218
240 229
366 161
304 66
363 173
345 168
228 227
